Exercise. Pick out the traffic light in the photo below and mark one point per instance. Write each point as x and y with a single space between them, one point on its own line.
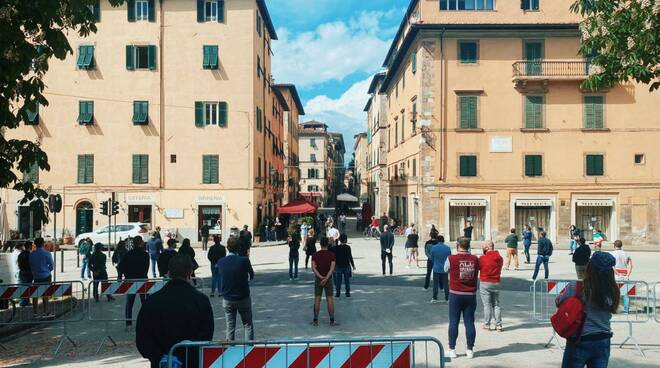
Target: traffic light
104 208
115 207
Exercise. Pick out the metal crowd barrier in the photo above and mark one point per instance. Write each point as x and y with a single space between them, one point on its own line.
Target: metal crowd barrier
378 352
656 301
56 302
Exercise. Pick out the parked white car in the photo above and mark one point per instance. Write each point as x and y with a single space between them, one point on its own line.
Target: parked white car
124 231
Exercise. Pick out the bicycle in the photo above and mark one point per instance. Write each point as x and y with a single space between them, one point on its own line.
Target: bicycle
371 233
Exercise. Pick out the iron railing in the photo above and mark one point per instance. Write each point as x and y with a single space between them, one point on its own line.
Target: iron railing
553 69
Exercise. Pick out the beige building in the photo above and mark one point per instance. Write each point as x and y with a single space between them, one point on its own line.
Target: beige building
171 106
360 150
487 124
315 158
377 183
291 148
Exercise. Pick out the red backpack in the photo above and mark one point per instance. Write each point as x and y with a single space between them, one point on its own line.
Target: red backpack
570 316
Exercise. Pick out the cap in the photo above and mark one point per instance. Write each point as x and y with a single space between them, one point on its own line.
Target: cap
603 261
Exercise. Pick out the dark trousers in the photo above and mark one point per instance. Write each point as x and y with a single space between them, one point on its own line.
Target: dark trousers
307 258
527 251
99 276
343 274
440 280
387 255
293 267
130 300
464 305
541 260
429 271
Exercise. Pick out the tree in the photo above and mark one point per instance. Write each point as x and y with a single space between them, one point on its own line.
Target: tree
31 32
622 39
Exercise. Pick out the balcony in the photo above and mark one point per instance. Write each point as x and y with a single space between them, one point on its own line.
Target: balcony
551 70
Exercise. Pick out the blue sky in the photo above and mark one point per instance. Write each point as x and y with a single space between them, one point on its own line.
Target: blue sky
330 49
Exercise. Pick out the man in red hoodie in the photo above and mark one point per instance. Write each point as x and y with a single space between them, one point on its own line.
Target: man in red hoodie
463 269
490 270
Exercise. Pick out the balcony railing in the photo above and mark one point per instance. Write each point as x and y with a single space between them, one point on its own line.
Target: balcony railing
551 69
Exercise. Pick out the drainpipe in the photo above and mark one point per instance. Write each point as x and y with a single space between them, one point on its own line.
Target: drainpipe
443 107
161 72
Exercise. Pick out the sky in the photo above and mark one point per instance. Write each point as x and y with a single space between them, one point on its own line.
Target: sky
330 49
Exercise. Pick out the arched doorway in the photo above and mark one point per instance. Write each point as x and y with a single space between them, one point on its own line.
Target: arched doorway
84 218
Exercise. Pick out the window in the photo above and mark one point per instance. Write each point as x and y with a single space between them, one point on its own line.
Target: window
312 173
140 57
142 9
413 118
640 159
595 165
413 62
140 169
85 112
259 24
211 113
96 10
312 188
32 174
85 169
593 112
396 134
403 80
32 115
141 112
533 165
468 165
210 10
467 4
312 157
414 167
258 67
468 113
85 57
403 125
312 142
172 159
210 57
533 53
529 4
534 112
468 52
259 119
210 165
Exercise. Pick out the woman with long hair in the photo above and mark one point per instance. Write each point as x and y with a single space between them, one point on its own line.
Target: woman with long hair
310 245
600 296
190 252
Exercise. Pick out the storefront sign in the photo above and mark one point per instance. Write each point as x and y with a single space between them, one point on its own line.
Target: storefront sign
210 198
501 144
595 203
533 202
468 202
173 213
140 198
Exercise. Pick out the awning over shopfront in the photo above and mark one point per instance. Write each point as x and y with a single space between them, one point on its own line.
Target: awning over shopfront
533 202
298 207
345 197
595 203
468 202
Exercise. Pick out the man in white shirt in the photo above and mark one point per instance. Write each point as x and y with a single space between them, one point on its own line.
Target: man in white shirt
333 235
622 269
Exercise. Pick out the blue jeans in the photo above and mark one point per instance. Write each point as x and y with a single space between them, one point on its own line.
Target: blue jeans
215 279
527 251
440 280
85 266
345 274
154 264
130 300
293 267
537 268
593 354
465 305
572 245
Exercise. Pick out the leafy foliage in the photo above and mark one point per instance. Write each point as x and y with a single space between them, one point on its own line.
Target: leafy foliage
622 37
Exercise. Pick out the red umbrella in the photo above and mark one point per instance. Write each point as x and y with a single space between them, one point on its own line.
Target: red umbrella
298 207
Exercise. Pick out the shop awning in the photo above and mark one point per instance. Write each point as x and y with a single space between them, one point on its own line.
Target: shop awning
345 197
595 203
468 202
297 208
533 202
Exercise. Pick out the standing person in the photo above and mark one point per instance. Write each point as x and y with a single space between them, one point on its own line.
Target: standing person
490 271
85 250
134 266
294 256
467 232
333 235
24 271
190 252
572 242
601 298
543 257
373 227
428 246
166 256
342 223
204 234
439 254
118 255
155 248
384 220
512 250
234 272
278 229
598 240
412 245
310 245
304 230
41 265
97 263
323 265
215 253
463 269
188 314
622 269
386 245
581 258
344 262
527 242
246 236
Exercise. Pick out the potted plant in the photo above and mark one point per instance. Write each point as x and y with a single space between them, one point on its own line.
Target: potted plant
67 236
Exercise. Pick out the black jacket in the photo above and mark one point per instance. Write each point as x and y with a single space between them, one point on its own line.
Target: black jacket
135 264
215 253
175 313
344 256
97 262
545 247
164 261
582 255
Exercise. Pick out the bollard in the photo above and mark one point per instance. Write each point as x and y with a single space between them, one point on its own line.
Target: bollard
61 260
77 258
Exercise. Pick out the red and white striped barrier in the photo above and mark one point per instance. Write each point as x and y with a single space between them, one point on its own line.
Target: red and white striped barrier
557 287
127 287
627 289
8 292
394 355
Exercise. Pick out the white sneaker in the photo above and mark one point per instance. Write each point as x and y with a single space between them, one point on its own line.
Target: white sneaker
451 354
434 301
469 354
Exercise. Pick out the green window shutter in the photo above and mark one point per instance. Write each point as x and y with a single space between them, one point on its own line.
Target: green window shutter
413 62
468 112
130 57
215 175
593 112
136 169
213 57
200 11
86 112
82 51
199 114
223 111
473 112
468 52
533 165
140 169
206 169
533 112
151 56
131 10
595 165
221 11
81 169
89 169
206 57
96 11
89 57
152 11
33 115
468 166
140 112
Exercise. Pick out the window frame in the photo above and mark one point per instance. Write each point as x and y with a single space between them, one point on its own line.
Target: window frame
85 60
542 112
85 116
144 16
603 105
462 42
88 177
643 160
140 112
542 166
312 157
210 106
456 2
208 160
476 164
32 174
459 114
208 13
210 57
530 5
586 164
141 169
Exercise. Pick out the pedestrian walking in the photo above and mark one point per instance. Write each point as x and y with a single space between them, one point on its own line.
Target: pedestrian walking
344 266
215 253
294 255
246 237
512 250
412 245
333 235
165 257
190 252
439 254
342 223
323 265
204 234
463 269
581 258
598 240
24 271
527 242
134 266
490 271
622 269
310 246
304 230
155 248
41 266
85 250
467 231
573 237
177 312
600 296
433 235
386 245
235 272
543 257
97 263
118 255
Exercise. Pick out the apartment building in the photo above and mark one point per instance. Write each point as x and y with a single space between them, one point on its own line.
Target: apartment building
315 155
360 156
171 106
376 109
487 124
291 148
